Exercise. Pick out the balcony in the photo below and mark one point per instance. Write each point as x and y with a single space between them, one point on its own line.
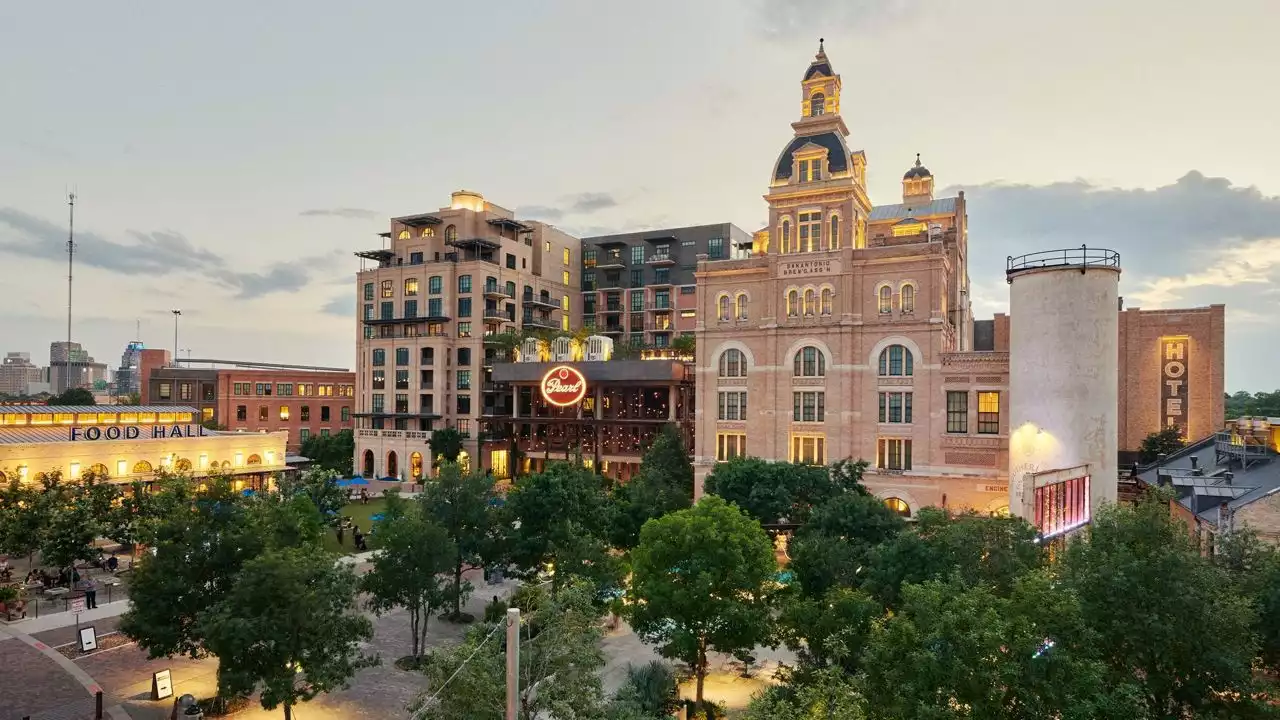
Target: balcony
541 301
613 330
492 411
496 315
611 309
494 292
494 436
655 327
610 264
659 307
493 387
660 259
541 322
475 242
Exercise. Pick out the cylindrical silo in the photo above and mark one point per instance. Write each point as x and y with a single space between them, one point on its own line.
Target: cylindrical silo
1063 373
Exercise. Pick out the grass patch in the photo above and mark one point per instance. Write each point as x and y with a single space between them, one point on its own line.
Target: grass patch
361 515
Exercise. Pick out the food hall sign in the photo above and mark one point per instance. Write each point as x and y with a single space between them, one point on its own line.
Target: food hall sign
1173 382
563 386
135 432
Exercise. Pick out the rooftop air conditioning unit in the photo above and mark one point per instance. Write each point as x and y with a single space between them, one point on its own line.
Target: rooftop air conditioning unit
599 348
562 349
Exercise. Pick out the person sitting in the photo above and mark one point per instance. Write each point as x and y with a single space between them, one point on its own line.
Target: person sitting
112 563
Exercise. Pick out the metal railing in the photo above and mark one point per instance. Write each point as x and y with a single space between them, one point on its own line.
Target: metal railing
1083 257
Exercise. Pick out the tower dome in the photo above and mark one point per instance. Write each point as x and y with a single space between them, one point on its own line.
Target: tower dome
917 171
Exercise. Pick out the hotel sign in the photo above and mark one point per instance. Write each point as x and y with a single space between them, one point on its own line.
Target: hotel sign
563 386
135 432
1173 382
809 267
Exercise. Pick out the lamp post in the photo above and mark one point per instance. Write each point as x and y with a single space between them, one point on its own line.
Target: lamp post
176 314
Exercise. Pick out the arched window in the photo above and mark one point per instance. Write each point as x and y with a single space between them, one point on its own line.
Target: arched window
809 362
810 301
404 235
722 312
886 300
793 302
100 471
254 459
833 237
183 465
451 234
141 467
415 465
817 104
511 289
898 505
741 302
895 361
733 363
826 300
908 299
785 237
393 465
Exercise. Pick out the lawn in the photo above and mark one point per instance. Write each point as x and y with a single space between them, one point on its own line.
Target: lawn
362 516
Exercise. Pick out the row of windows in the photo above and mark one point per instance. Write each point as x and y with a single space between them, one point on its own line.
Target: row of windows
809 224
451 235
894 407
895 361
292 389
304 413
810 302
435 286
739 307
906 299
988 412
660 253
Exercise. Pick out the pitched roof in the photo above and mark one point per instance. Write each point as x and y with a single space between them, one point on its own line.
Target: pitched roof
941 206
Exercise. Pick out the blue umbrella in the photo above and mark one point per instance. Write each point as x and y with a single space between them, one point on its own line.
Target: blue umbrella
247 492
359 481
343 483
390 479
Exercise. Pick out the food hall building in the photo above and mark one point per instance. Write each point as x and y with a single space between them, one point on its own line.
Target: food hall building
130 442
568 398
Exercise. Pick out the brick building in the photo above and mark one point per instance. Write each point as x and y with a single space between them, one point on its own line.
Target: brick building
300 400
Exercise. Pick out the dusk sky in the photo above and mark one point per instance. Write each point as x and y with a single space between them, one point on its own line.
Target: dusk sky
230 157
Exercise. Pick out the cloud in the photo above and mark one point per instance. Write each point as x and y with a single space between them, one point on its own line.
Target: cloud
343 306
789 19
589 202
578 204
1256 262
155 254
350 213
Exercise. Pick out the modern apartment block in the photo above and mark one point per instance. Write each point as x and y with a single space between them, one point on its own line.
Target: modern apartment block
443 283
638 288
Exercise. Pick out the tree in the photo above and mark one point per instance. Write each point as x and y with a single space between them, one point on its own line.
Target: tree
834 547
1259 404
334 453
73 396
23 518
320 485
830 694
830 630
72 523
212 424
461 504
663 485
289 627
1160 442
1183 632
648 693
446 444
414 552
700 581
772 492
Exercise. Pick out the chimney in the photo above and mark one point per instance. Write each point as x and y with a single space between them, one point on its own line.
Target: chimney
1120 303
1164 479
1228 476
1195 462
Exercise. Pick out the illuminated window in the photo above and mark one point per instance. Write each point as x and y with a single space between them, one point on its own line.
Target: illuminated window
284 412
388 289
166 391
989 413
451 234
730 446
809 362
896 361
731 405
428 232
817 104
895 407
809 406
810 301
722 309
893 454
464 329
740 303
810 225
566 256
122 468
898 505
404 235
957 411
546 246
411 286
886 300
908 299
206 414
809 449
564 277
833 237
142 467
827 297
733 363
688 313
793 302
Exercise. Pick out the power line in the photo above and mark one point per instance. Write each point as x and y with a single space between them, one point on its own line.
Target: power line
426 703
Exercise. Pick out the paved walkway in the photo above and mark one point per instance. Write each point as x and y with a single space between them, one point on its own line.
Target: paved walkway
31 686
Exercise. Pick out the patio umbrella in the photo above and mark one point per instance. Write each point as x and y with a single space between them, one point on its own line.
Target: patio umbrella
343 482
358 481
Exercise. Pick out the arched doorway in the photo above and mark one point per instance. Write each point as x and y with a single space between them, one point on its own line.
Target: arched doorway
464 462
899 506
415 465
366 468
393 465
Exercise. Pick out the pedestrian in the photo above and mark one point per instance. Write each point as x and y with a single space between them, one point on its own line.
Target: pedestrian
112 563
359 539
339 533
364 496
90 594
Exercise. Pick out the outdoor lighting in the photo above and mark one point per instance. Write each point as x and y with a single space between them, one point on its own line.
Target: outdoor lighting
239 459
74 468
121 468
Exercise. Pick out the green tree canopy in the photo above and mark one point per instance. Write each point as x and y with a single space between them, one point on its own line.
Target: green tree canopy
414 552
700 580
664 484
836 545
829 630
320 484
461 503
446 444
334 453
777 492
289 627
1160 442
73 396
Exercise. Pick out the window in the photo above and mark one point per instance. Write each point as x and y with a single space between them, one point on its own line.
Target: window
324 432
410 309
827 297
662 276
893 454
242 413
284 412
886 300
715 248
402 403
379 357
464 379
567 257
637 254
464 307
262 388
895 407
896 361
589 258
833 237
184 391
810 302
662 299
546 246
402 379
809 362
305 413
379 379
378 403
387 311
464 404
809 449
732 405
511 261
817 104
957 411
346 413
388 289
740 303
809 406
511 289
733 363
451 234
415 258
989 413
810 225
463 427
284 389
722 310
588 280
730 446
263 413
793 302
368 291
688 313
368 311
404 235
811 170
434 285
464 329
435 308
637 301
306 389
464 283
637 278
899 506
411 286
908 299
166 391
784 237
636 340
564 277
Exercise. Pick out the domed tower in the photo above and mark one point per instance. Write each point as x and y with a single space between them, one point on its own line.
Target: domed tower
817 169
917 185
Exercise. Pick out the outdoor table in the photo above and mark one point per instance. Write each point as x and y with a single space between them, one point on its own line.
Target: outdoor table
56 592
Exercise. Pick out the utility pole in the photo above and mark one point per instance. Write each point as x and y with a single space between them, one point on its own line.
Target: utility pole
513 662
71 250
176 314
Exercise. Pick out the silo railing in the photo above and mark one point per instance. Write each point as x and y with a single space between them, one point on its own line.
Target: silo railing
1083 257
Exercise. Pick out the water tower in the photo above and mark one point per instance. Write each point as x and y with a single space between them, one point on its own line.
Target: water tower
1063 385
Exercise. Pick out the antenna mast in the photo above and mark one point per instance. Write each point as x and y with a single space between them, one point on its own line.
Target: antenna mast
71 250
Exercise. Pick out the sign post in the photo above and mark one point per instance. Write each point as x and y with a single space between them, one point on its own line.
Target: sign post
77 607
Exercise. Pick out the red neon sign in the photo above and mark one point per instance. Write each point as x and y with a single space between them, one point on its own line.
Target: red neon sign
563 386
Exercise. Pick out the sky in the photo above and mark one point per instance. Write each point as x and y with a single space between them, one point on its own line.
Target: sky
230 157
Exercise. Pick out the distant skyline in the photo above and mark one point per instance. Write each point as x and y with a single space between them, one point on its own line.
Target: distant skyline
229 159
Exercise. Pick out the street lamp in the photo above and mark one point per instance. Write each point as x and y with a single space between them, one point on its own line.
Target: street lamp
176 314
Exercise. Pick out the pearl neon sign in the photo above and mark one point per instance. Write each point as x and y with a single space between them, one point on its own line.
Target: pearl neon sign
563 386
